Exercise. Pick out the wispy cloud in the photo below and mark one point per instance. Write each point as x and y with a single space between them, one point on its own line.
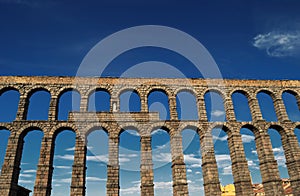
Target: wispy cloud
247 138
279 44
217 113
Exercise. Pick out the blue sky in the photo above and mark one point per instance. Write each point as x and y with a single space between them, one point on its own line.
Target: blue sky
247 39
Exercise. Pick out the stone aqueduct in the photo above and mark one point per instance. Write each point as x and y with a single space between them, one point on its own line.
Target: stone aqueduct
115 121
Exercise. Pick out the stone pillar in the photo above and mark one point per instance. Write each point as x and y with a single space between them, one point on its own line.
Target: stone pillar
11 167
172 108
147 186
44 171
79 168
228 105
255 110
240 170
280 110
84 103
268 165
53 109
292 154
201 109
144 103
112 184
22 108
209 165
180 186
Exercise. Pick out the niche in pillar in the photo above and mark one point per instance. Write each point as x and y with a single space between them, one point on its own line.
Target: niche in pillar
9 99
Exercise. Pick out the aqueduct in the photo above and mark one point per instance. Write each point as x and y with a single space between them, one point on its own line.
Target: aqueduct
144 121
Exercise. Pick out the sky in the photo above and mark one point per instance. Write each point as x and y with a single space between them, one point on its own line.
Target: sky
246 39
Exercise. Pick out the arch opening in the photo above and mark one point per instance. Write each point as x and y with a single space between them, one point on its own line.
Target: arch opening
38 105
291 106
241 107
96 162
68 101
223 158
4 136
30 157
63 161
214 105
158 102
248 139
193 161
9 100
99 101
129 160
266 106
162 161
278 152
130 101
186 106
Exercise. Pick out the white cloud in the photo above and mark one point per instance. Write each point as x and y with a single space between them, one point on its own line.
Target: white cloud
25 181
162 157
279 44
163 185
192 161
254 152
63 167
222 139
63 180
26 175
95 179
247 138
217 113
29 171
227 170
97 158
189 171
197 172
222 157
68 157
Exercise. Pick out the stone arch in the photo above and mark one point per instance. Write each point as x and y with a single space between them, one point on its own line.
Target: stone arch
270 94
245 95
99 88
134 91
10 104
62 92
95 127
187 104
215 90
93 91
31 92
215 98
